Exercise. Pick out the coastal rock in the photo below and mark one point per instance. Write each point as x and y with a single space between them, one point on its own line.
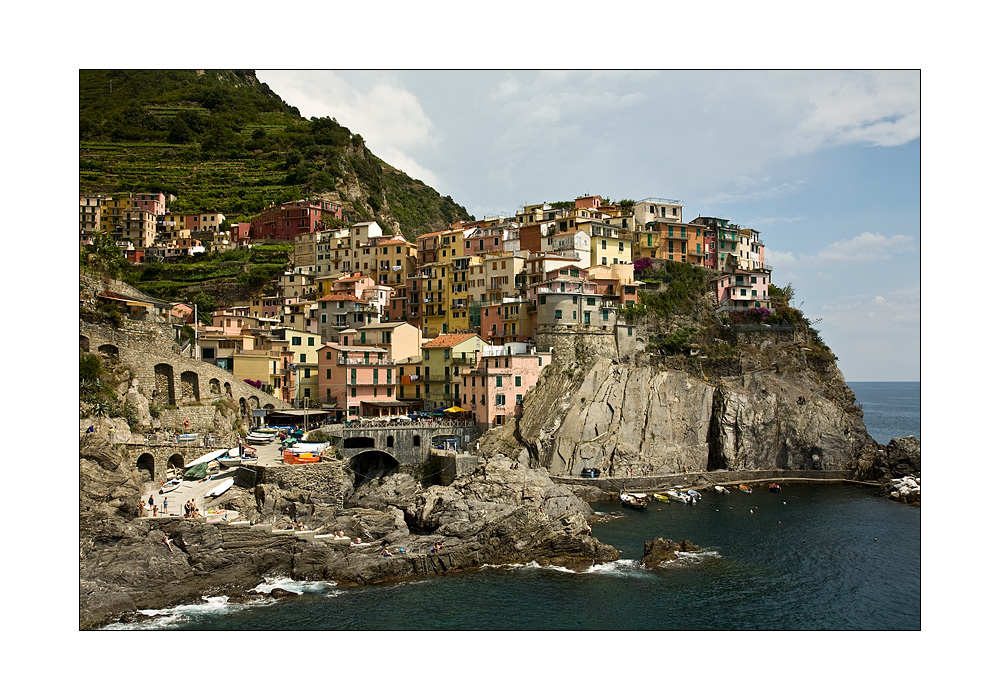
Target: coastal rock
659 550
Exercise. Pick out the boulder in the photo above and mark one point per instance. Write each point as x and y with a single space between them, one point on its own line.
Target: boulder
659 550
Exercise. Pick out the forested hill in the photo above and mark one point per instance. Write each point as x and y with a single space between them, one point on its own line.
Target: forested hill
220 140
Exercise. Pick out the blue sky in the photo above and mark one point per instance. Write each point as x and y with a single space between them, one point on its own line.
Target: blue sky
825 164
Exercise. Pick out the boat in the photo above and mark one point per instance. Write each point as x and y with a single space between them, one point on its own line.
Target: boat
260 438
661 497
171 485
745 489
187 437
234 459
774 488
220 489
636 501
694 494
198 468
304 452
720 489
676 496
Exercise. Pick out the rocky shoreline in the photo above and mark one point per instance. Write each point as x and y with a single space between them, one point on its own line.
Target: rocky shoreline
498 515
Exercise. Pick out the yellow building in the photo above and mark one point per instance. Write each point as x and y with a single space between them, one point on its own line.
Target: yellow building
443 358
609 245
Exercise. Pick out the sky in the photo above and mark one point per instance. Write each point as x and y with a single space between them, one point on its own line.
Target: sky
824 163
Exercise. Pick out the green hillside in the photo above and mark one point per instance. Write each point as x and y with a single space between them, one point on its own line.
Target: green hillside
220 140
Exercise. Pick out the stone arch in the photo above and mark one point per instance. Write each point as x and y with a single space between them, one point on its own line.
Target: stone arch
176 462
146 465
190 392
243 406
253 402
372 464
214 387
229 388
164 384
84 343
269 406
108 350
358 442
416 440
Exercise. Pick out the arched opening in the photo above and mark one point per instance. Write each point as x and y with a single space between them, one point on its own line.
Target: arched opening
390 441
189 387
254 402
84 343
372 465
164 391
214 387
416 441
359 442
229 389
108 350
146 465
175 465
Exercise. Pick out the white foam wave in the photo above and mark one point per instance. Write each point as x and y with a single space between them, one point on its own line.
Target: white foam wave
691 558
164 618
293 586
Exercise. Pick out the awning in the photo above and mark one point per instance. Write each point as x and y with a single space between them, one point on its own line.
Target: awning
455 409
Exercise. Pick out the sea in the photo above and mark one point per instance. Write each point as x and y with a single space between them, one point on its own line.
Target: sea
812 557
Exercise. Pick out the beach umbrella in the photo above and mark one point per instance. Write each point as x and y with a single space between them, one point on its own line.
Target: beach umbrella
455 409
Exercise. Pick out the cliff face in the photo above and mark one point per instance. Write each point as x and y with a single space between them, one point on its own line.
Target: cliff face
785 407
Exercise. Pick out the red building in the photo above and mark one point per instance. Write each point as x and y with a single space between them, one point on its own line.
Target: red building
283 222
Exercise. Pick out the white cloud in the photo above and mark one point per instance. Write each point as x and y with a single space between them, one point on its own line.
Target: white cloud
863 248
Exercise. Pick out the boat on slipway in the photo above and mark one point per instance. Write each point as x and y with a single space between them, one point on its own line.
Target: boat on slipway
304 452
234 458
198 468
257 437
220 489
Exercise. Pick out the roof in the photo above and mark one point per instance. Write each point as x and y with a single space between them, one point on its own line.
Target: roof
340 296
449 340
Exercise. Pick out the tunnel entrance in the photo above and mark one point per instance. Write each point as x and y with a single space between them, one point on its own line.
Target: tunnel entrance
372 465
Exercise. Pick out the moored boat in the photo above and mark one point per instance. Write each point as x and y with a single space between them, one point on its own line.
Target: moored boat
661 497
720 489
636 501
220 489
170 485
745 489
774 488
694 494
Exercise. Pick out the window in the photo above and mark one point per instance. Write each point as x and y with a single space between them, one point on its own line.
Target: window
328 374
499 381
302 357
310 339
501 400
306 376
296 340
558 313
517 380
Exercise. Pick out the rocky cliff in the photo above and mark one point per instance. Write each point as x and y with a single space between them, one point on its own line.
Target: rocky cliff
779 403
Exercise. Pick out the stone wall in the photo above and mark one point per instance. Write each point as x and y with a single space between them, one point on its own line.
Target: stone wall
182 387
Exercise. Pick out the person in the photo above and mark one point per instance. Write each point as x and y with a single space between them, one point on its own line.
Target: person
419 486
155 509
386 552
151 500
164 505
167 541
300 525
142 507
90 429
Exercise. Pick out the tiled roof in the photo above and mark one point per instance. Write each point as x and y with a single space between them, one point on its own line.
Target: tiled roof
448 340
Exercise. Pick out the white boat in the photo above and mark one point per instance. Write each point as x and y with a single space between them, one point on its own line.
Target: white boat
220 489
675 495
187 437
308 447
206 458
233 458
694 494
171 485
721 489
260 438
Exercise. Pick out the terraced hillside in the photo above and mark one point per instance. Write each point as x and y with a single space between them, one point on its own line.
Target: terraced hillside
220 140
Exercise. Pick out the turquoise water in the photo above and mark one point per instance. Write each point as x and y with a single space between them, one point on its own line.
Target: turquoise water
834 557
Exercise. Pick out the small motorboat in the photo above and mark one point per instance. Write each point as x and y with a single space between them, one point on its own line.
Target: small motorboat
260 438
636 501
234 459
661 497
171 485
720 489
774 488
676 496
745 489
694 494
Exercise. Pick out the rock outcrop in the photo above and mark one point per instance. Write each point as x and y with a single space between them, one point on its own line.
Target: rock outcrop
659 550
788 410
497 515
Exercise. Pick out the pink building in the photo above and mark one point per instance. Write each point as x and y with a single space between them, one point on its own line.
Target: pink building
494 388
284 222
360 381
